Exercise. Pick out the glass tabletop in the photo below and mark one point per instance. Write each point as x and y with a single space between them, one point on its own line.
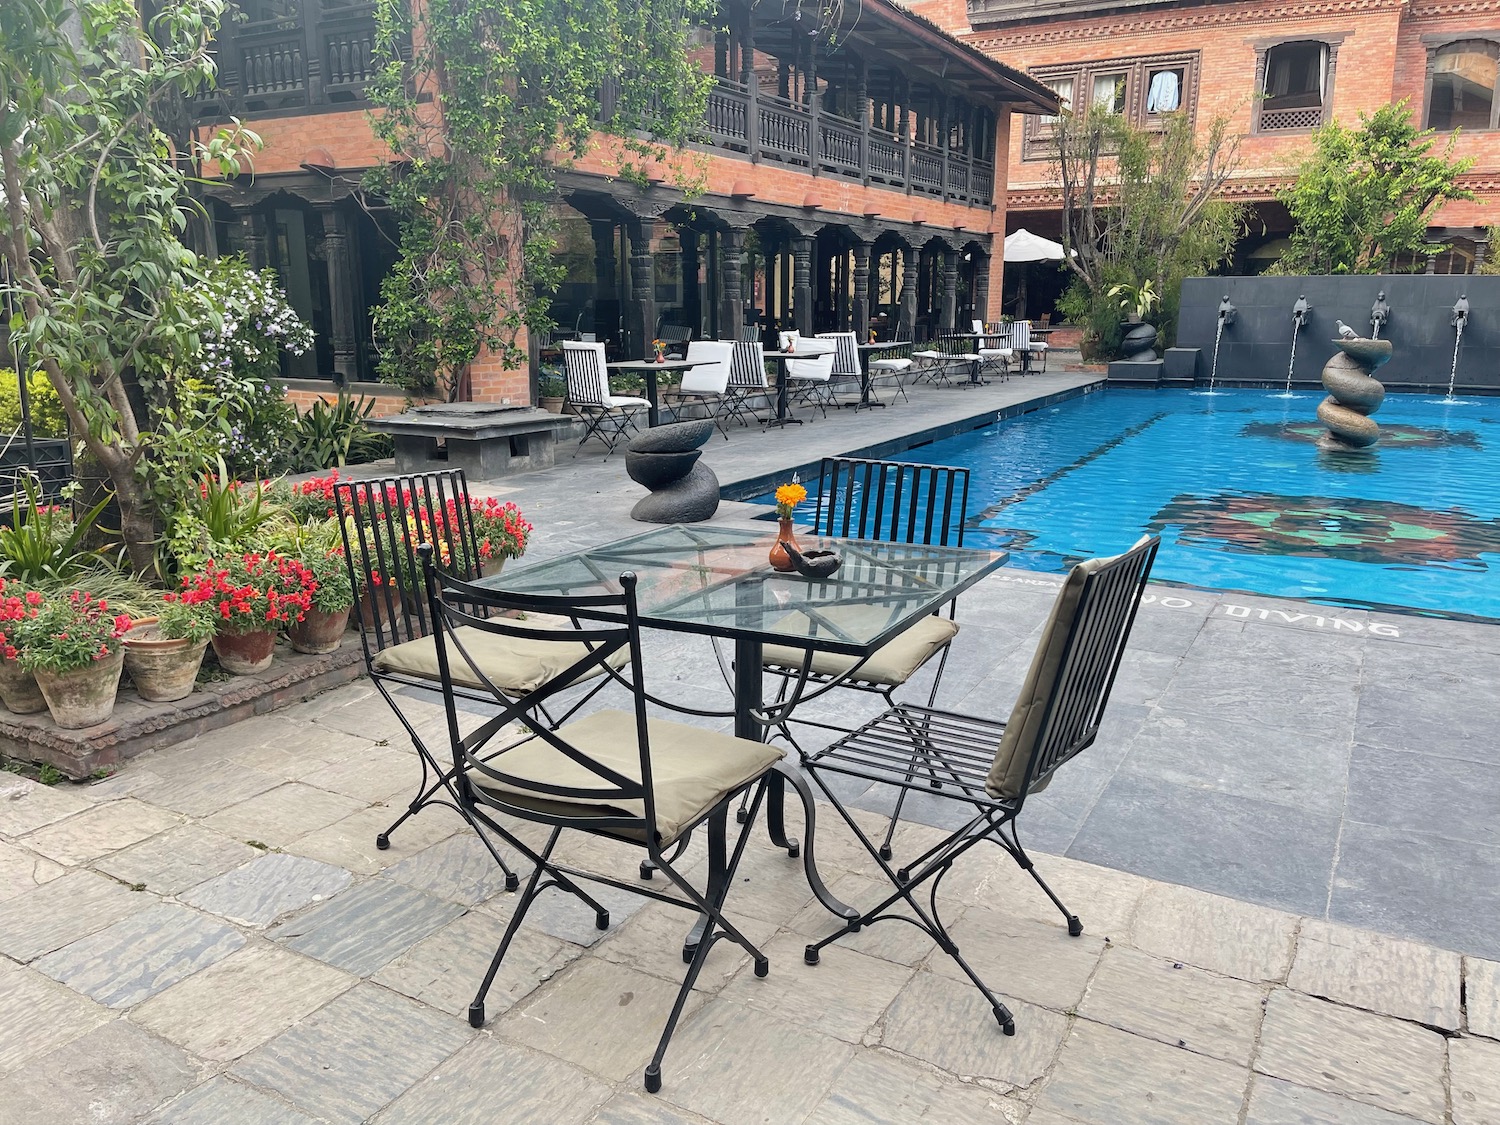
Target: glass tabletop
717 581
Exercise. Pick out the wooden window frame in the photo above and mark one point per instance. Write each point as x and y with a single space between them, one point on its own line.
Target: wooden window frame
1434 44
1036 143
1263 49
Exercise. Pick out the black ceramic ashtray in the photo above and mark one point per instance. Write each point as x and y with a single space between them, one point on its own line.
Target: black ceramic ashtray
812 564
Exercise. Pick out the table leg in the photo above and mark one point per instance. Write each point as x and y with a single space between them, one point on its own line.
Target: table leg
653 414
747 700
782 417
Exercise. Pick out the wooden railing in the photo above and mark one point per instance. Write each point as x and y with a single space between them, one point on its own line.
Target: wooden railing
767 127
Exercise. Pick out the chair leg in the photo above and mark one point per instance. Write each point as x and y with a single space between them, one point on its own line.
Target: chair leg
1013 845
528 896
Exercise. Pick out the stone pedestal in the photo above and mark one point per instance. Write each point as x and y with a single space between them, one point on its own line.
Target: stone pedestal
485 440
1146 374
1181 364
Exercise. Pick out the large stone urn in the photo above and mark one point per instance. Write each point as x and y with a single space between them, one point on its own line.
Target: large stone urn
1353 394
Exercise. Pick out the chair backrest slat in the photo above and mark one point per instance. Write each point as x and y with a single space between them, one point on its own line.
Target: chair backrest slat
892 502
846 352
584 365
747 365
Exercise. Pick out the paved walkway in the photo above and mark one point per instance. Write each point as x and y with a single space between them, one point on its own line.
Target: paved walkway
211 938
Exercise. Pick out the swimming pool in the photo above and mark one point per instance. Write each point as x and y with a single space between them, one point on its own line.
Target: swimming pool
1243 498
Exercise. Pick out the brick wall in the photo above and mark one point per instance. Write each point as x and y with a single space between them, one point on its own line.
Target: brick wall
1381 59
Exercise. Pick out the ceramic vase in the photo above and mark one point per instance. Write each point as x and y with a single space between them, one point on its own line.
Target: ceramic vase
780 560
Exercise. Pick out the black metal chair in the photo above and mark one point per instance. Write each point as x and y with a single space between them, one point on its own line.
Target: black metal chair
383 522
615 774
952 356
991 766
888 502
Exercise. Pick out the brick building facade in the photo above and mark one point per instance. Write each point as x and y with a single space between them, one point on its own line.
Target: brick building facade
1277 71
854 175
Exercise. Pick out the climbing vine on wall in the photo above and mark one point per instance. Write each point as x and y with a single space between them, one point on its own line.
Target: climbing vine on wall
482 103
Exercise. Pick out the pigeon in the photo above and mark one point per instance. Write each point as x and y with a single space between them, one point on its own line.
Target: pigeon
1345 332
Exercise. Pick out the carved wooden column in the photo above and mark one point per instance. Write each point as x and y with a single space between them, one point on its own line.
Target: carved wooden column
949 307
731 295
802 297
640 318
909 269
692 293
251 238
982 263
340 295
862 290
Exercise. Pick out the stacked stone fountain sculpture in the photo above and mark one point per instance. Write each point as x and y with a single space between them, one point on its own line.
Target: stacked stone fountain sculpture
665 460
1353 394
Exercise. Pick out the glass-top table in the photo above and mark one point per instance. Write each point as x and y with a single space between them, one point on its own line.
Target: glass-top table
716 581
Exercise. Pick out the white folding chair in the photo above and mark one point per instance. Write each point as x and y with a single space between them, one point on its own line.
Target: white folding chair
708 380
606 416
845 362
747 381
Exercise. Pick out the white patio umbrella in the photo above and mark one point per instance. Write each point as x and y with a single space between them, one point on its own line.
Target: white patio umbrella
1023 247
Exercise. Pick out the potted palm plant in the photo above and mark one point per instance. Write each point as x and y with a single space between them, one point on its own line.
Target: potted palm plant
163 653
73 646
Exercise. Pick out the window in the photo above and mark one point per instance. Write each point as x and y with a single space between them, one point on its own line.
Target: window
1143 90
1294 86
1108 92
1461 93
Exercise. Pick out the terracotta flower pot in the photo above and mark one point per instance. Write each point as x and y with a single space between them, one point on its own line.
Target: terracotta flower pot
318 631
492 566
244 654
374 609
162 668
82 697
780 560
553 404
18 690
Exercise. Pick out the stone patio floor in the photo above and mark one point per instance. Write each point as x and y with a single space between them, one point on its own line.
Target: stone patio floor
211 936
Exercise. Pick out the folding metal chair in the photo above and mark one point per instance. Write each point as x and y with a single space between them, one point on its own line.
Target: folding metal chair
615 774
950 356
604 415
676 337
890 367
994 352
845 363
989 766
383 522
888 502
708 382
747 381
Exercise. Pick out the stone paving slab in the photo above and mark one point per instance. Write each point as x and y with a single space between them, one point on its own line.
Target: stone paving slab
177 860
1482 993
259 892
37 1016
348 1060
1383 974
222 1102
1475 1068
142 955
366 926
22 870
99 830
1274 1102
62 911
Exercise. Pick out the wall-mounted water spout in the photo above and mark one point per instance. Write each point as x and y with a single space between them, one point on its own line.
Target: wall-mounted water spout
1301 312
1380 313
1459 320
1227 312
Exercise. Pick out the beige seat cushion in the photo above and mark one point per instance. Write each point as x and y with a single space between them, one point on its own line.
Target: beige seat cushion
516 665
1024 726
892 664
692 768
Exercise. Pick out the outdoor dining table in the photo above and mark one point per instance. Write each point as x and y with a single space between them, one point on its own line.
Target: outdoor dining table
717 582
652 369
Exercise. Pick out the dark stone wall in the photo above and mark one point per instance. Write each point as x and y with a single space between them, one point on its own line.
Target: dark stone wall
1256 348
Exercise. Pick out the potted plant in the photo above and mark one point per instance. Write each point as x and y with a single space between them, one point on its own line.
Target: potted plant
501 532
321 627
252 595
552 391
18 690
163 653
73 646
1138 342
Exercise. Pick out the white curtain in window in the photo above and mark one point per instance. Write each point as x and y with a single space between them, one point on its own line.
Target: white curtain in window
1165 93
1106 87
1323 72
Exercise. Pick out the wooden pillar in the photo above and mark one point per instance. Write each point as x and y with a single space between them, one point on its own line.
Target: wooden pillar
340 295
251 231
692 292
861 314
949 309
731 296
982 286
909 270
641 315
802 295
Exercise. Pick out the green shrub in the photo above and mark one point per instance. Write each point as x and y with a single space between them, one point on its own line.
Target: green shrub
48 419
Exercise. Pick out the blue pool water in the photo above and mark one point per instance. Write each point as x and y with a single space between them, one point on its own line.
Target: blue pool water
1243 498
